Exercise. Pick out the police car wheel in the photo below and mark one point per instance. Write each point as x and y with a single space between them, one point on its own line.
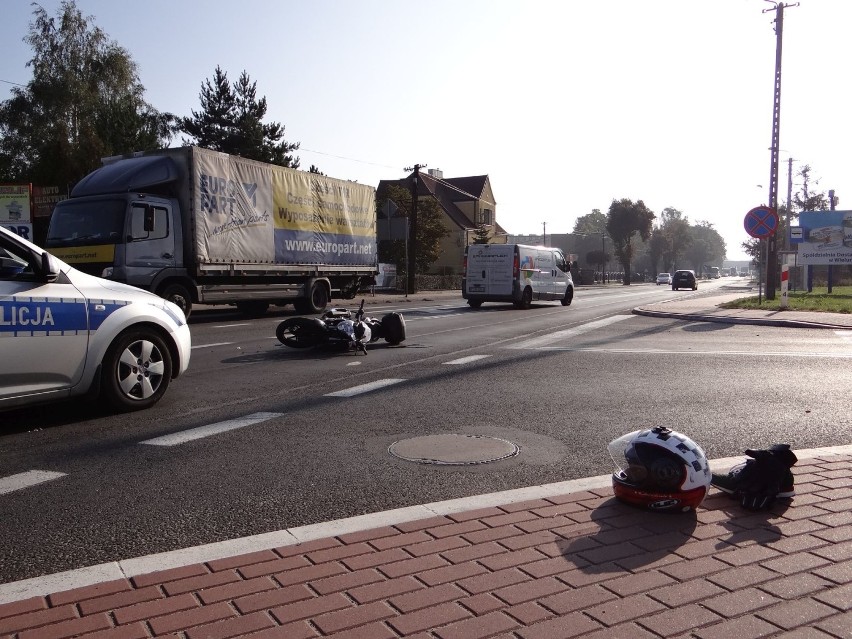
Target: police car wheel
137 370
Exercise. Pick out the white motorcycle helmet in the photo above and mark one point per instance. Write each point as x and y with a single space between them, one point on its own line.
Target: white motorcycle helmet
659 469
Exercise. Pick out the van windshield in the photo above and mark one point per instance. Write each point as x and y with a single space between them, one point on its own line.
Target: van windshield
76 223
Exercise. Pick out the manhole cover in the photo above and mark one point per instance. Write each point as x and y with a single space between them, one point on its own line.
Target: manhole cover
453 449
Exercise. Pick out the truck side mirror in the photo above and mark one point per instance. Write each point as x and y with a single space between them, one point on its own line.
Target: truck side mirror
148 221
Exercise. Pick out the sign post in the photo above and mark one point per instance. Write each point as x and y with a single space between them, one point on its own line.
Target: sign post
785 277
762 222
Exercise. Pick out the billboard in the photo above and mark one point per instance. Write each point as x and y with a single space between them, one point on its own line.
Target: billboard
15 204
826 238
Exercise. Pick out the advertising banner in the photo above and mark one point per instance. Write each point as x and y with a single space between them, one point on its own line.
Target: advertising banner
45 199
15 204
24 230
250 212
826 238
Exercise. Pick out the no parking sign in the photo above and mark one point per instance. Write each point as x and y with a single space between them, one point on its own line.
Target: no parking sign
761 222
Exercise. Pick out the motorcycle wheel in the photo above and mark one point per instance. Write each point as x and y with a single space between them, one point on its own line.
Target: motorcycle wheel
393 325
300 332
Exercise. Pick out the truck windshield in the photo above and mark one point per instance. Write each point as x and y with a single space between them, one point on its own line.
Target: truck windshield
75 223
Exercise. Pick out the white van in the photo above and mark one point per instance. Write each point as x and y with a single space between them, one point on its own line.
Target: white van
515 273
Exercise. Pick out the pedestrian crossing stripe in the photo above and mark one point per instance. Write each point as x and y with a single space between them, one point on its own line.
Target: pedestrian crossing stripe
550 338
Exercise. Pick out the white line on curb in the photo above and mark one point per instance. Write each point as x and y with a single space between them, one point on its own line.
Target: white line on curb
126 568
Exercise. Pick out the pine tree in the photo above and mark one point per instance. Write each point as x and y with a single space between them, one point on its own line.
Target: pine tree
231 121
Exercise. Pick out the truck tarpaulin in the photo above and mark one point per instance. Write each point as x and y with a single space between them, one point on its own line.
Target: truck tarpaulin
277 215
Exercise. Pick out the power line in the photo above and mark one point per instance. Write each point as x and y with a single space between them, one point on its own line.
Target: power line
343 157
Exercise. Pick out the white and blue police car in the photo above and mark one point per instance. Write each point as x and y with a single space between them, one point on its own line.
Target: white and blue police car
64 333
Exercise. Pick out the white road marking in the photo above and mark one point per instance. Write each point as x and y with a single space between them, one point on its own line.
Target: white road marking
231 325
467 360
211 429
365 388
544 340
211 345
844 334
25 480
662 351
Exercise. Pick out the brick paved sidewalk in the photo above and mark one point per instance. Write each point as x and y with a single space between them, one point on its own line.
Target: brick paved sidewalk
578 565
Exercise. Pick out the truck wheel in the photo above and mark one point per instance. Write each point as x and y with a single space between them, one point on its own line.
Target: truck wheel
137 370
569 297
315 302
474 303
526 299
300 332
393 325
180 295
253 308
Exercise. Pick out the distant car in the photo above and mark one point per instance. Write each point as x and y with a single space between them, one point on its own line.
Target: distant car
684 279
65 333
664 278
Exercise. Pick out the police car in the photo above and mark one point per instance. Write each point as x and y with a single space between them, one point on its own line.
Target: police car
64 333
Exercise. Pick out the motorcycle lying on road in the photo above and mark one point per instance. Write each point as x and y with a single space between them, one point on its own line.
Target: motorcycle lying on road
339 327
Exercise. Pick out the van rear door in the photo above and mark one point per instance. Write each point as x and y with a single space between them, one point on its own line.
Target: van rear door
490 269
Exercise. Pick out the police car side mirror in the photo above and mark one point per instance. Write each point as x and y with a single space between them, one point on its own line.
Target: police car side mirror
49 267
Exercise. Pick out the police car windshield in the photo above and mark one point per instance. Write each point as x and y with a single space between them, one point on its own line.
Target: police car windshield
75 223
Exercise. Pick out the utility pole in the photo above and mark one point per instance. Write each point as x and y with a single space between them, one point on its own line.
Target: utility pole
412 227
544 233
772 240
789 199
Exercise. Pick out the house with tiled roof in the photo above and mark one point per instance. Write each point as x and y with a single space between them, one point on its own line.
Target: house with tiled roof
466 202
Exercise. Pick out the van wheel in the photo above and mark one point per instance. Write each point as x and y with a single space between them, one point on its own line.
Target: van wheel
474 303
569 297
526 299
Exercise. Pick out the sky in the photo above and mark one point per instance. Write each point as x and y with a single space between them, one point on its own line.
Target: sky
565 105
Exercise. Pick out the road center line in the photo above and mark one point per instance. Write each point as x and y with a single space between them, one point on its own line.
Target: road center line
467 360
211 345
365 388
211 429
25 480
544 340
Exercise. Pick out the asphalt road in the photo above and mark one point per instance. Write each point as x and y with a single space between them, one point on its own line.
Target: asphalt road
250 439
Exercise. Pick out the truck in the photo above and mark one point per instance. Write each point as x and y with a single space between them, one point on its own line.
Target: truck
515 273
197 226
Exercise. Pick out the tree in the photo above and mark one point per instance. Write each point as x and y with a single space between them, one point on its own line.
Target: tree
430 229
807 200
676 238
625 220
231 121
707 246
314 169
84 102
481 234
591 223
